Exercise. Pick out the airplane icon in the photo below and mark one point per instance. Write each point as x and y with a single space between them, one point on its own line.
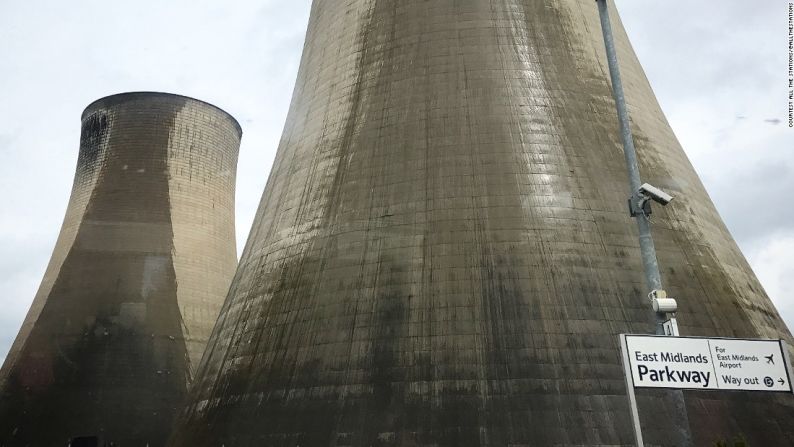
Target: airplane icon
770 359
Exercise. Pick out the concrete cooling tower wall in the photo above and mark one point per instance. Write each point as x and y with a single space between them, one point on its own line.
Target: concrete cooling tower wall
443 254
137 278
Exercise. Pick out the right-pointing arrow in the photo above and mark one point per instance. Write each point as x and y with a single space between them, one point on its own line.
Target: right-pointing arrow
782 382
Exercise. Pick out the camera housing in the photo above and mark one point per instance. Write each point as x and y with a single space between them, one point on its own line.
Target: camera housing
665 305
655 194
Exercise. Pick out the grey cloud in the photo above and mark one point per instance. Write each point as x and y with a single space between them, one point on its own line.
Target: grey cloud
752 202
705 48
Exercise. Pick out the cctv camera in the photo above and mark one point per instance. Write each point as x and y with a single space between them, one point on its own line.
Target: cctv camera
656 194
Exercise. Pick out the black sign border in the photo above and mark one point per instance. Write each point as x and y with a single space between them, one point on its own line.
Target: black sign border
779 341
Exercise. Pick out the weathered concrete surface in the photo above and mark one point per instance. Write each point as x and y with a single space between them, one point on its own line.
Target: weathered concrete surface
443 256
137 278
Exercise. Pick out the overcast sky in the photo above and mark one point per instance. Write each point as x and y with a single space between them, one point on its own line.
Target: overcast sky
717 67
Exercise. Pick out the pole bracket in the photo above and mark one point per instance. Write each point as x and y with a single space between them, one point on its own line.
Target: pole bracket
640 205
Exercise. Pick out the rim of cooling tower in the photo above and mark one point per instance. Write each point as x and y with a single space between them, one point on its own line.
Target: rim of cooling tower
119 98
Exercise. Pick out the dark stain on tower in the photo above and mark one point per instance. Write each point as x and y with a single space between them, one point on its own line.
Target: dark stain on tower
92 135
107 352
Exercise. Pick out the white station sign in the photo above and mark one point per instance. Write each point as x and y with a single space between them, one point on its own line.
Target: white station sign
707 363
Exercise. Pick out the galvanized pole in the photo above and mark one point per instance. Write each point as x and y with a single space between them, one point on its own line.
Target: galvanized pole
653 277
648 251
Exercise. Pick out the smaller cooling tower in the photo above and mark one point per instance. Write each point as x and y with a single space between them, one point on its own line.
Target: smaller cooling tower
137 278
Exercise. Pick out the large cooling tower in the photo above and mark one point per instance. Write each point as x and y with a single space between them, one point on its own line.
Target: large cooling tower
443 254
142 264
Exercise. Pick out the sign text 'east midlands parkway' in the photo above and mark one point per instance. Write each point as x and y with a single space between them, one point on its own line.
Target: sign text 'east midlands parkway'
707 363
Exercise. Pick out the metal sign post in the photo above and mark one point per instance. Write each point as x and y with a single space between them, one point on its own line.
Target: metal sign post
639 202
639 208
635 413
